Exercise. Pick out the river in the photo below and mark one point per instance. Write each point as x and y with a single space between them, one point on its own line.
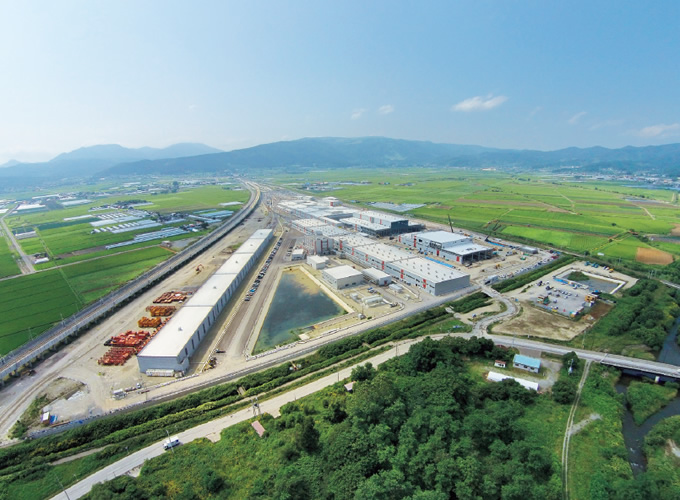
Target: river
633 435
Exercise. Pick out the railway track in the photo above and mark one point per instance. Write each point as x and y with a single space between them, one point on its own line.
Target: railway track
85 318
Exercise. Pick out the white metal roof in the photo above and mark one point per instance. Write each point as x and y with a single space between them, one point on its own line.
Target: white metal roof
466 248
317 259
308 223
364 223
261 234
330 231
386 253
354 240
429 270
380 215
173 337
340 272
375 273
499 377
443 237
298 251
211 291
249 246
234 264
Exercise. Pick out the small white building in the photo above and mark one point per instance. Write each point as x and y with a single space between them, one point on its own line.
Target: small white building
342 277
499 377
317 262
298 254
377 276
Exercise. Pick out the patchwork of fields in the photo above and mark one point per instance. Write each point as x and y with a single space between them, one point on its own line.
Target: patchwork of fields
33 303
87 271
593 217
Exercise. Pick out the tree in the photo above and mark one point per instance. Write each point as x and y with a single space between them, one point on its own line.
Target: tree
363 372
564 391
571 358
306 435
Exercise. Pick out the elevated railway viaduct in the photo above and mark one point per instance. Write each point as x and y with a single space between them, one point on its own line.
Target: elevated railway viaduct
84 319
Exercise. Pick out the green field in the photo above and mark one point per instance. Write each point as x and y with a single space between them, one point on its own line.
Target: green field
574 216
8 266
33 303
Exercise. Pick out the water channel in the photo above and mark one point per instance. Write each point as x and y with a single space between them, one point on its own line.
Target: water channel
633 435
298 303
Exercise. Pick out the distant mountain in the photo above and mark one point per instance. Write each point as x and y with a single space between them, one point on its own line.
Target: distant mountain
118 154
331 152
9 163
90 160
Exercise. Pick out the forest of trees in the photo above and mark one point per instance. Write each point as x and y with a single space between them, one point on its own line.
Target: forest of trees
421 427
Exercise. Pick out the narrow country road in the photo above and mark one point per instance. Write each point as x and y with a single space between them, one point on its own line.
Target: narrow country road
25 264
568 432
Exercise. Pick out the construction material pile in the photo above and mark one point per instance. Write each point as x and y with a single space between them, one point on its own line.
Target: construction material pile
169 297
161 310
149 322
124 346
130 339
116 356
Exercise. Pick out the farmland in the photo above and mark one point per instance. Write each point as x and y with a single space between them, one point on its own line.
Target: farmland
584 217
8 266
33 303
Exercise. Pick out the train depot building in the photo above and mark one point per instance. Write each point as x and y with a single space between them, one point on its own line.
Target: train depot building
169 351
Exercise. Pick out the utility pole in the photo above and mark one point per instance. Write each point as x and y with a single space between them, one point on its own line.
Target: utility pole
62 487
172 448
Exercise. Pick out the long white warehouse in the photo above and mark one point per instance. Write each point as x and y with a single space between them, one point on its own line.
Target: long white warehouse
174 344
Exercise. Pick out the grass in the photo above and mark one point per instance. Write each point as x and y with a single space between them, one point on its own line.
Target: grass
8 265
578 217
37 301
94 279
598 450
645 399
31 304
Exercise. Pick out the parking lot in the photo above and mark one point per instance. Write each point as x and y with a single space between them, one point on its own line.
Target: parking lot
559 297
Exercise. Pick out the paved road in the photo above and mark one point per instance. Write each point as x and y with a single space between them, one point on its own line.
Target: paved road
212 430
599 357
25 264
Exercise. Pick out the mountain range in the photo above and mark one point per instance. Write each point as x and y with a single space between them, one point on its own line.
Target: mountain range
333 152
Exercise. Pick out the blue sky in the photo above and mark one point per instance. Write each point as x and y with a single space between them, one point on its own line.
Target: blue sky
511 74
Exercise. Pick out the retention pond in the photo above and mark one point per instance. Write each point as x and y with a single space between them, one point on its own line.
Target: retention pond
298 304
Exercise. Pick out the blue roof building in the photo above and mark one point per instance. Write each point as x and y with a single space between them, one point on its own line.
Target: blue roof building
526 363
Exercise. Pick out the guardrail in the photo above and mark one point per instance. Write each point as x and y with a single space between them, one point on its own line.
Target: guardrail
84 318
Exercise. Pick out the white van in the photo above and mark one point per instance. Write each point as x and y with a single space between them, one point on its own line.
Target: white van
171 443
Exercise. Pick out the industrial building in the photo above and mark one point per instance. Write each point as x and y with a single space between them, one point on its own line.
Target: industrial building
174 344
448 246
317 262
342 277
376 276
434 277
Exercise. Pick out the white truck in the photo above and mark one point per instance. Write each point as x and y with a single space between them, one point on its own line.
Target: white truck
171 443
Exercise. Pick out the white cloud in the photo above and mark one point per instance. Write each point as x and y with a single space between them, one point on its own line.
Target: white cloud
479 103
660 130
356 114
574 119
535 110
386 109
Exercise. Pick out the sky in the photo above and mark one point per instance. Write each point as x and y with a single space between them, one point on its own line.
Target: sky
508 74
